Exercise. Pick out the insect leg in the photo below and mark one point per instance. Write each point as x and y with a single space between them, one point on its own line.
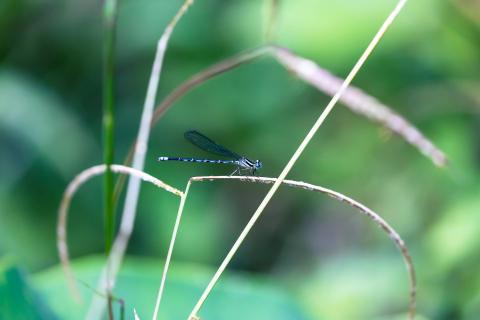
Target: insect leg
233 173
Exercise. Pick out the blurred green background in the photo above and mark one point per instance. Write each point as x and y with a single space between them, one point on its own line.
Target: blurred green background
309 257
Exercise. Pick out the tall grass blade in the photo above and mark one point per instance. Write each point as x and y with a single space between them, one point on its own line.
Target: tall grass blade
110 19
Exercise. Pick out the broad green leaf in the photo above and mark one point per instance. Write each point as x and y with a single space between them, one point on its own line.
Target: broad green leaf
17 298
237 296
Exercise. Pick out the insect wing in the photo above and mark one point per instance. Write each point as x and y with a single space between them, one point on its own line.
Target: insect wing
209 145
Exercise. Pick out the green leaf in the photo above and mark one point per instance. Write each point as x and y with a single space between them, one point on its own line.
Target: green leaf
17 299
237 296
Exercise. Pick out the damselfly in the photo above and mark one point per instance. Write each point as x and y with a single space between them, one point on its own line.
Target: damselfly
204 143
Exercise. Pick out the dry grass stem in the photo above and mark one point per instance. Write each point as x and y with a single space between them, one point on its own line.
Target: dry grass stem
375 217
170 251
296 155
133 190
72 188
359 102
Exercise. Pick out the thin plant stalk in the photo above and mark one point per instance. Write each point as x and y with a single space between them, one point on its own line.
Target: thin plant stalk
295 157
108 275
120 301
110 18
170 251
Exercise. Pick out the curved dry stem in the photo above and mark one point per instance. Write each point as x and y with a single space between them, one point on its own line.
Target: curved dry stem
107 278
72 188
373 43
359 102
376 218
